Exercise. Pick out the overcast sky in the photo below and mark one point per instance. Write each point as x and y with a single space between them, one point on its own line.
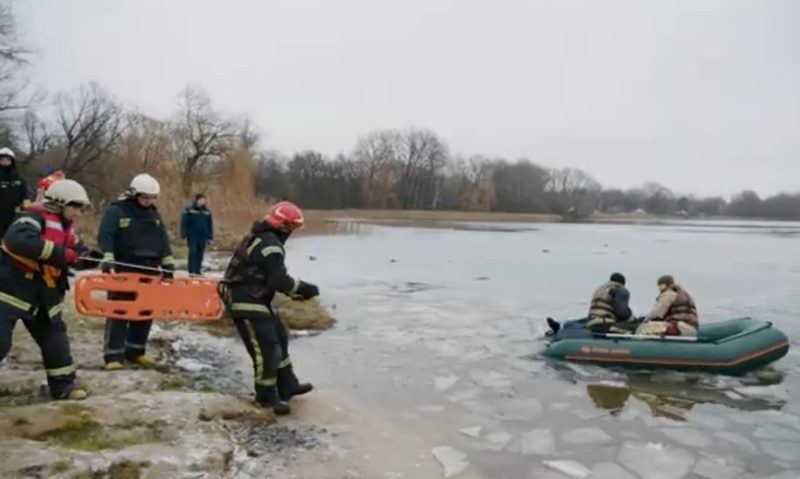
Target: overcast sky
703 96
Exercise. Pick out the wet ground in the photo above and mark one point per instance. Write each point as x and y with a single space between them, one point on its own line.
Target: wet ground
437 337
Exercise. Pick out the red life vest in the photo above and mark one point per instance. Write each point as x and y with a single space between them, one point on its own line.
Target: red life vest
54 231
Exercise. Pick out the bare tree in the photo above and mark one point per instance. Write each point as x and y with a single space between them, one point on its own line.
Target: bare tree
91 125
378 152
38 137
575 192
519 186
423 156
13 59
202 134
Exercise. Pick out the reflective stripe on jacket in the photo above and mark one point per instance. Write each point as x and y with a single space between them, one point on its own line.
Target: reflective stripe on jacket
55 234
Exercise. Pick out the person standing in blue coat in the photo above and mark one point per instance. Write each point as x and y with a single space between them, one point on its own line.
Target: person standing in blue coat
197 228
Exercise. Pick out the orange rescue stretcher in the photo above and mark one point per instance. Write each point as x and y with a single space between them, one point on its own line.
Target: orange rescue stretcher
148 297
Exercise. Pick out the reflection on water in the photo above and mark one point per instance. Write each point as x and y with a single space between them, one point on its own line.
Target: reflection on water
667 398
425 345
614 398
608 396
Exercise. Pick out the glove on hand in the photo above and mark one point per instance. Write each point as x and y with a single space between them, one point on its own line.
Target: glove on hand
306 291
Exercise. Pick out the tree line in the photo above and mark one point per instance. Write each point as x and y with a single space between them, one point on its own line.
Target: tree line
413 169
93 138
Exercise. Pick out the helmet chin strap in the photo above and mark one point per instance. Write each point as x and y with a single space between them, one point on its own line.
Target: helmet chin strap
53 207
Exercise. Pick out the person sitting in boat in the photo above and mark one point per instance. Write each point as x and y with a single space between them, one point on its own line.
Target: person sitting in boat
609 311
674 314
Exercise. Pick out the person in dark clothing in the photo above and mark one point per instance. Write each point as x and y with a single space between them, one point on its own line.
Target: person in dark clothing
609 311
197 228
14 193
256 272
132 232
38 248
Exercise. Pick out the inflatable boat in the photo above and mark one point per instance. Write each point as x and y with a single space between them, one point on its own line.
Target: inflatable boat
731 347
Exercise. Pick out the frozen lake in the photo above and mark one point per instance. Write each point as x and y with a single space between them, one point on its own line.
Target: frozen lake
438 333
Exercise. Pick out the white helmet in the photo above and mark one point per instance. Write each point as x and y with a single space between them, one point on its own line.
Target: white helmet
145 184
5 151
65 192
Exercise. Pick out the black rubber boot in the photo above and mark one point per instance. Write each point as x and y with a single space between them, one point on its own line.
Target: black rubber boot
555 326
289 386
270 399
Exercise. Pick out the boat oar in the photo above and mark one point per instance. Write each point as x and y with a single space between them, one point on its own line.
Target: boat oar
648 337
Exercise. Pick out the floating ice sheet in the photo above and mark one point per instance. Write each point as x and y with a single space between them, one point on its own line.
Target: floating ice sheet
738 440
465 395
777 433
717 468
559 406
569 468
491 379
497 441
708 421
453 461
656 461
474 431
539 442
776 393
443 383
589 435
688 437
610 470
785 451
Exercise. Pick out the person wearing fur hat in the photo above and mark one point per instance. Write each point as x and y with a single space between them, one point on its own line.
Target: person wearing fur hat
674 314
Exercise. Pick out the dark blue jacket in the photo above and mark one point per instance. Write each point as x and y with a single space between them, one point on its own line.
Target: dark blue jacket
197 224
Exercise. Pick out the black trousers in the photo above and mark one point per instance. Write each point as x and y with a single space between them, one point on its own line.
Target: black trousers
196 251
50 334
127 339
267 343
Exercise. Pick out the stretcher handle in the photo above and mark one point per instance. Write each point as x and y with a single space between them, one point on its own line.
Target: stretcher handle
134 266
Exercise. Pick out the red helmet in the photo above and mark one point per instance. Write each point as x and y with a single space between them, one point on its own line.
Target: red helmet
285 216
48 180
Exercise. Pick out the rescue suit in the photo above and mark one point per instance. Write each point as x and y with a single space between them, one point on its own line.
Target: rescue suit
609 311
131 233
36 251
674 314
256 272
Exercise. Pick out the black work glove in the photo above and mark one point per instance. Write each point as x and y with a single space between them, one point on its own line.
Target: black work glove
94 254
89 259
305 291
168 271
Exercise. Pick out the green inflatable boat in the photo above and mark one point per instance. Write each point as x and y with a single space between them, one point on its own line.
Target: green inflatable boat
731 347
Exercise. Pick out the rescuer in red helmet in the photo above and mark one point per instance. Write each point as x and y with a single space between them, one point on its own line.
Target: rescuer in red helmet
256 272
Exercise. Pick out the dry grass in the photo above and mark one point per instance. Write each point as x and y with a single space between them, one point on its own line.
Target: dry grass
321 222
302 314
317 216
235 214
297 315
